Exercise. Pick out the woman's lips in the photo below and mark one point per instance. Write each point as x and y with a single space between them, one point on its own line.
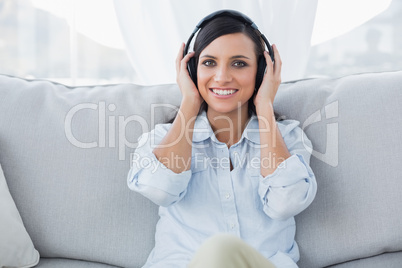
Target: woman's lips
223 93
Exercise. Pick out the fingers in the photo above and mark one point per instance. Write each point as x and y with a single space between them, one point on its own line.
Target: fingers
181 62
273 68
179 57
278 62
185 60
268 60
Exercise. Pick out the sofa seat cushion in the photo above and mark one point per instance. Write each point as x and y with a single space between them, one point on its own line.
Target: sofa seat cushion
388 260
67 263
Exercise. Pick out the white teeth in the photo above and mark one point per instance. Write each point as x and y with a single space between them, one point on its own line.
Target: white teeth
223 92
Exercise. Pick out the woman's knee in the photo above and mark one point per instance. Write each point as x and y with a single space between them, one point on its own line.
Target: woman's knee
223 243
225 250
222 248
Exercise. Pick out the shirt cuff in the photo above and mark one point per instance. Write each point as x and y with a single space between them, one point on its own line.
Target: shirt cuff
149 171
289 172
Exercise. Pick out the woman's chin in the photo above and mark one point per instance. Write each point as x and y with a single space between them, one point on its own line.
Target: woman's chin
224 109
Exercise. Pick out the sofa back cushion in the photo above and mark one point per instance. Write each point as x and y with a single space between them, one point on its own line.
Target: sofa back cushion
355 125
65 152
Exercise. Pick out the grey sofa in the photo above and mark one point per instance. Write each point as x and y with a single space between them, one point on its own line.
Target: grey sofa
65 153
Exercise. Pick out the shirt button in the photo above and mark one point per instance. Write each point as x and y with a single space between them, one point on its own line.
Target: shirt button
227 196
232 225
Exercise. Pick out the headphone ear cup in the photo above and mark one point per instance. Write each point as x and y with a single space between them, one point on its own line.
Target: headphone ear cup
260 71
192 70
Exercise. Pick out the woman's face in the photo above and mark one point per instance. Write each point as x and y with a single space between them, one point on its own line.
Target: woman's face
226 73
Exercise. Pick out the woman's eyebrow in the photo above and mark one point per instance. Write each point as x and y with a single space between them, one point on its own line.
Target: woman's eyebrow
208 56
240 57
233 57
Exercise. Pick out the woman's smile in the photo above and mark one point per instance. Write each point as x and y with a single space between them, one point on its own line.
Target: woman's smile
223 92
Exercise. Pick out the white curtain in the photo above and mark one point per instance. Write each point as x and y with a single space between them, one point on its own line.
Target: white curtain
36 41
154 29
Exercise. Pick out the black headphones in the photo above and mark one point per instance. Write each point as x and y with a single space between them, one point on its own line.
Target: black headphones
192 67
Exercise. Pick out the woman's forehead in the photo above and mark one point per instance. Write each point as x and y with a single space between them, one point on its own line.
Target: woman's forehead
230 44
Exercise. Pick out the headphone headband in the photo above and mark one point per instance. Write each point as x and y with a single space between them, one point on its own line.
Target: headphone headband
238 16
226 12
230 13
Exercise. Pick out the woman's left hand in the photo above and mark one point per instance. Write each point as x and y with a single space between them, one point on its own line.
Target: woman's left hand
271 81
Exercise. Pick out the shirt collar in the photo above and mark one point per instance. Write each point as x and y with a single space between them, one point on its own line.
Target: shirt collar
203 130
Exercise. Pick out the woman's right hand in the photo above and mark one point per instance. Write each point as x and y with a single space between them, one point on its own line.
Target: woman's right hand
187 87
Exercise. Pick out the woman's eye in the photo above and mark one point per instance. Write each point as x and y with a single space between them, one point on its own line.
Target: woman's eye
239 64
208 63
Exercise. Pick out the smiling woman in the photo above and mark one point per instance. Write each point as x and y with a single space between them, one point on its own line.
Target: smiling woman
208 197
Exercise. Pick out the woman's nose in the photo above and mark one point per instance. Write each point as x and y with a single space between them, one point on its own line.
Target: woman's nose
223 74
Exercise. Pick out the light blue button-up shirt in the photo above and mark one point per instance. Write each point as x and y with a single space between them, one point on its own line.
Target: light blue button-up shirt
210 198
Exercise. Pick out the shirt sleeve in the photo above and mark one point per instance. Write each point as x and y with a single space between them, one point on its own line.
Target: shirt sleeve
149 177
292 186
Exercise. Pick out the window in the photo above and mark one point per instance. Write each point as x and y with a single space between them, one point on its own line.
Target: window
374 46
35 43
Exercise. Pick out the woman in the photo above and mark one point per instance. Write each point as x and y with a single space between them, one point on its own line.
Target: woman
227 176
